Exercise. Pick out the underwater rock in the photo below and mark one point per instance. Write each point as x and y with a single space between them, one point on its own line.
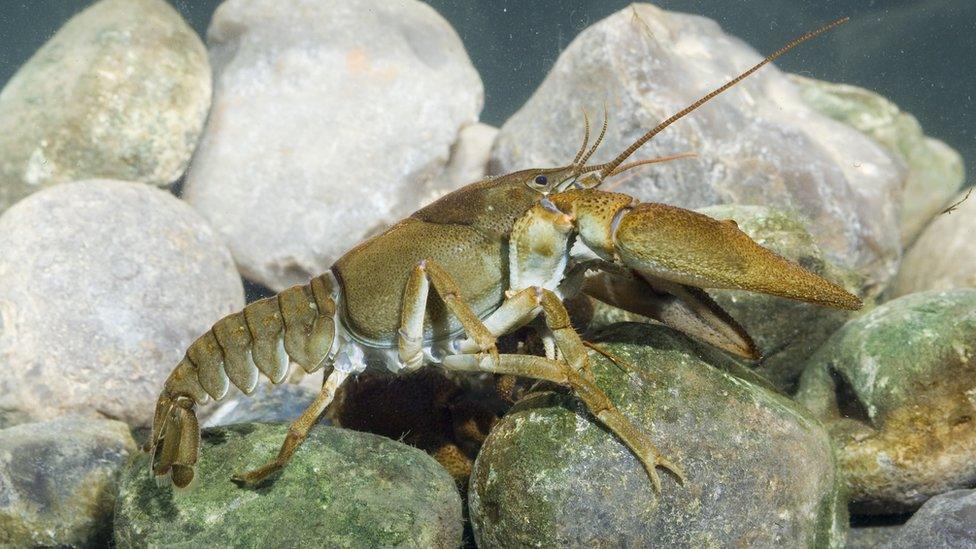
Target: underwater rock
872 537
103 285
944 255
896 388
120 92
341 489
331 119
935 170
58 481
758 143
267 404
760 471
469 158
946 520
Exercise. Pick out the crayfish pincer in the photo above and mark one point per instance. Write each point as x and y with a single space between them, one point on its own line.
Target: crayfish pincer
441 285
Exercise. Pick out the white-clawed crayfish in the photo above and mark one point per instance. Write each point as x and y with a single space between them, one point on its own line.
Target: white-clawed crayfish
497 254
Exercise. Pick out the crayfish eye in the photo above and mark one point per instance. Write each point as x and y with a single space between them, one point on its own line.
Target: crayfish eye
541 180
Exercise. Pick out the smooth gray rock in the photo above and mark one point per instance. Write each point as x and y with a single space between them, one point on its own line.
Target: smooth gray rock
469 158
760 471
945 521
121 92
331 119
267 404
58 481
758 143
871 537
896 388
341 489
103 285
944 256
935 170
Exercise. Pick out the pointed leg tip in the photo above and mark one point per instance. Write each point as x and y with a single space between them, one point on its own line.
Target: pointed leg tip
656 481
254 477
672 468
678 474
247 479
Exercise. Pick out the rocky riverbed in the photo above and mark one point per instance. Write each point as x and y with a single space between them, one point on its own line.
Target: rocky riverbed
300 127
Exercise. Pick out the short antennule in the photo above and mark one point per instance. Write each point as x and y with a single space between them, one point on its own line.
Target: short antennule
611 166
603 132
586 139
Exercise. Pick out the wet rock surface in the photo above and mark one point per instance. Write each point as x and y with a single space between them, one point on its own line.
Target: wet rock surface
121 91
871 537
947 520
786 331
469 158
341 489
758 143
935 170
944 256
360 102
760 471
103 285
895 388
267 404
58 481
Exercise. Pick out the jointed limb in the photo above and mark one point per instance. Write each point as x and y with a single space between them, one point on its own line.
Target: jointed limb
523 307
593 397
297 431
684 308
415 306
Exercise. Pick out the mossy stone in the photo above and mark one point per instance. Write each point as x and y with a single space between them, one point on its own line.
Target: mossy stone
341 489
896 389
760 471
121 91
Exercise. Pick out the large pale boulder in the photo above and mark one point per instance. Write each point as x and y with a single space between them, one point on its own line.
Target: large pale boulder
103 285
331 119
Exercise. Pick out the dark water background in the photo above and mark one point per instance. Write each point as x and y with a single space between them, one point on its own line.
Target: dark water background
919 53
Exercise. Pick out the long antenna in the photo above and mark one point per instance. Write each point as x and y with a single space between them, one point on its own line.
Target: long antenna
612 165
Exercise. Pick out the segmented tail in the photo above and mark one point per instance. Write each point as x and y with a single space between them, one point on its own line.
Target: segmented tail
299 323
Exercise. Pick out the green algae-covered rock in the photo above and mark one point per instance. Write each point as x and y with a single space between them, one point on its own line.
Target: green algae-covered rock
120 92
935 170
58 480
786 331
341 489
760 472
896 389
